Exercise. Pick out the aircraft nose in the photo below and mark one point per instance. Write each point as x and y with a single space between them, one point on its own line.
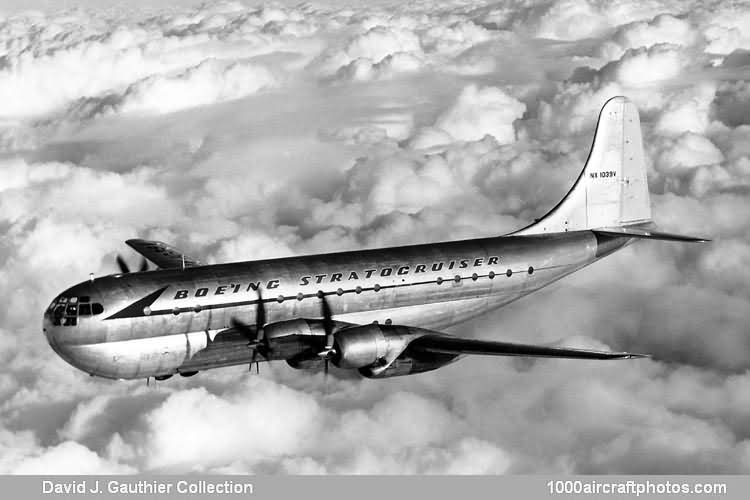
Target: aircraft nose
59 327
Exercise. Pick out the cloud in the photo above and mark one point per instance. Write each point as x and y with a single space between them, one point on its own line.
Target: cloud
688 110
454 38
731 103
481 111
646 65
687 152
661 29
372 47
724 30
209 82
363 69
67 458
251 247
243 132
87 55
572 20
293 417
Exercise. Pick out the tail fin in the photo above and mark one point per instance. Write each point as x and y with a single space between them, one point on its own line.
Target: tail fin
611 190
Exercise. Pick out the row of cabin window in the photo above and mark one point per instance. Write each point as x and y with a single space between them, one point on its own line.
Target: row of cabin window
300 296
457 278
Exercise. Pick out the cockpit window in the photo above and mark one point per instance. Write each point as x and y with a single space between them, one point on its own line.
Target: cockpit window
58 314
67 310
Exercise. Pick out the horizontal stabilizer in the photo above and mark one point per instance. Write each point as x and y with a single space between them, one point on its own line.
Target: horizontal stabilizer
444 344
637 232
163 255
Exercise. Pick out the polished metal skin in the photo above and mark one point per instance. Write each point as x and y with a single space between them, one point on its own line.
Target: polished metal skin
169 337
179 319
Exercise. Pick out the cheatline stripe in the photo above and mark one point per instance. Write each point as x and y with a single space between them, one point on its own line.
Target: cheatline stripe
320 293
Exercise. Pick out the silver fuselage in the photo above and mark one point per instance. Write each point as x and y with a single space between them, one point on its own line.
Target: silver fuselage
176 320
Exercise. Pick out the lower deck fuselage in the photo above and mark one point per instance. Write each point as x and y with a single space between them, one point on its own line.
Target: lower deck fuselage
162 322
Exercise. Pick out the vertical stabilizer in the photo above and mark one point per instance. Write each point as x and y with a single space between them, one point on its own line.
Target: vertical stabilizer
612 189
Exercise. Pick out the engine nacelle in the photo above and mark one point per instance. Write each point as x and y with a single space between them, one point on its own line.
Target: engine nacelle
376 351
364 346
380 351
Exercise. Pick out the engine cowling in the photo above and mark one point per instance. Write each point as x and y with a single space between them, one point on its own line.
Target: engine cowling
380 351
376 351
364 346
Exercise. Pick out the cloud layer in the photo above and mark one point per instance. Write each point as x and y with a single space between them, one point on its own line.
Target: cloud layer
244 132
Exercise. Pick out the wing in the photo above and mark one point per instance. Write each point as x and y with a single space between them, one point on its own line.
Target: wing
444 344
163 255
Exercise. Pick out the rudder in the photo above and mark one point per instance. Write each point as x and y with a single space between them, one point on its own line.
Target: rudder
612 189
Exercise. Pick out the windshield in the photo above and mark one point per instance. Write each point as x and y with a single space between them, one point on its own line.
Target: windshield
66 311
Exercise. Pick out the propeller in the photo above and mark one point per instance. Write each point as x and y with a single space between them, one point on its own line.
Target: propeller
125 269
328 351
257 339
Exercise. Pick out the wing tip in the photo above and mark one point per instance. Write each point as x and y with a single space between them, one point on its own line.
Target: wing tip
135 241
632 355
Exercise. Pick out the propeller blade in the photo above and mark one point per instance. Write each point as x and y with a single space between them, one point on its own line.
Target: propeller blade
122 264
125 269
260 317
262 345
327 323
327 319
244 329
256 339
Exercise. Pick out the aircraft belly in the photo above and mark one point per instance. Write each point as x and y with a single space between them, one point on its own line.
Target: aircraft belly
137 358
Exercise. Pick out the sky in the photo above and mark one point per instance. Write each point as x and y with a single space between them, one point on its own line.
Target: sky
239 131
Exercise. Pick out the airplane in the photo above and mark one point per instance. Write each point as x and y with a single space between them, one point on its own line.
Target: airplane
377 311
